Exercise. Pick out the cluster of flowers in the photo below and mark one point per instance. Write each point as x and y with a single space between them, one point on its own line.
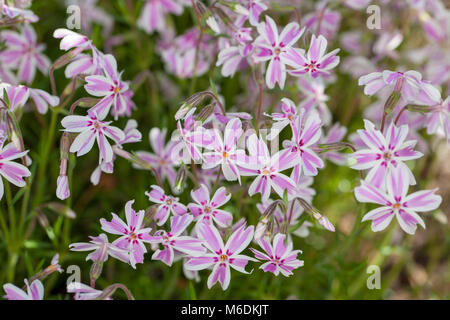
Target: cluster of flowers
226 145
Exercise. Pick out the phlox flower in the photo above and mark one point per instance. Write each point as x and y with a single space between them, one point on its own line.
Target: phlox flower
91 128
306 133
35 291
131 135
315 97
167 205
12 171
221 257
153 14
288 114
384 152
174 241
409 84
15 12
24 53
280 258
315 62
255 8
276 48
71 39
17 95
396 202
438 119
161 159
267 169
224 151
205 210
102 249
43 100
193 137
132 234
110 87
232 57
83 292
323 20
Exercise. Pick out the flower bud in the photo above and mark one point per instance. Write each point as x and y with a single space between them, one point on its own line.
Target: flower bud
96 271
180 180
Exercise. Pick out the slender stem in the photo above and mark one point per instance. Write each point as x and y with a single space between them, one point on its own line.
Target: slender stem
11 211
259 106
399 114
52 80
194 173
216 183
383 121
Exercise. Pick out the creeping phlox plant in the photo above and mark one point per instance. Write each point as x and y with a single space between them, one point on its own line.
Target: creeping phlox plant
230 188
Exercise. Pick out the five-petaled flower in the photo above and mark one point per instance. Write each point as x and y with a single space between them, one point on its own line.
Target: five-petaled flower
384 152
102 249
167 204
274 47
280 257
206 209
91 128
133 234
221 256
110 87
315 62
396 202
174 242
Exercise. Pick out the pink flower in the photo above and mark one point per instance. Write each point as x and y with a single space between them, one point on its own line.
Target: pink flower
91 128
17 95
315 62
267 169
306 132
173 241
384 152
222 257
153 14
133 235
193 136
280 258
110 87
102 249
72 40
43 99
232 57
24 53
225 152
161 159
35 291
276 48
323 20
315 97
255 8
396 202
168 205
288 114
12 171
439 119
206 209
83 292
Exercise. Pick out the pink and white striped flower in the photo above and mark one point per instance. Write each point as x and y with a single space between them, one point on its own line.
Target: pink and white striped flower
221 257
102 249
43 100
205 210
384 152
267 169
280 257
153 14
91 128
17 95
396 202
161 158
12 171
335 134
276 48
315 62
306 133
24 53
174 242
315 97
168 205
110 87
255 8
35 291
438 120
133 235
224 151
288 114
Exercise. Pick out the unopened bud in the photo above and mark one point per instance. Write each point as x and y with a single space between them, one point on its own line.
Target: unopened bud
206 112
180 180
96 270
